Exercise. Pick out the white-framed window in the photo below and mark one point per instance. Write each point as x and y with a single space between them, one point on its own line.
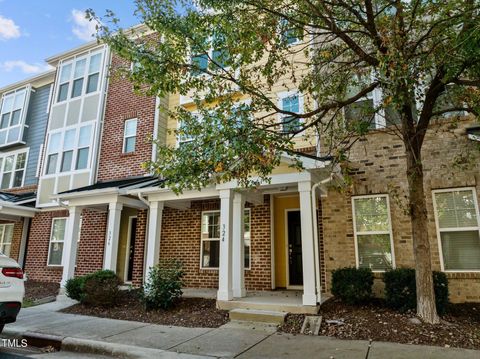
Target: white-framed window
366 109
291 101
290 34
12 169
210 239
373 232
12 116
69 149
458 229
6 237
57 238
182 137
129 135
216 53
79 76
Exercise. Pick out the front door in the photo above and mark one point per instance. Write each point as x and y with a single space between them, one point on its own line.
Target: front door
131 247
294 234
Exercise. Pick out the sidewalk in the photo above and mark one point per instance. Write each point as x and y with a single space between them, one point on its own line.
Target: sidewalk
239 340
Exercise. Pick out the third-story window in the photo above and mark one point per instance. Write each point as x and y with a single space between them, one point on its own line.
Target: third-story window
458 227
12 116
291 102
12 169
129 135
373 232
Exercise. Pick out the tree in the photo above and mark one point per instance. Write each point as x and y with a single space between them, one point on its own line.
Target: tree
423 57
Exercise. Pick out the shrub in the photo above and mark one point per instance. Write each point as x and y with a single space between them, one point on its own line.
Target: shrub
401 292
164 285
352 285
74 288
101 288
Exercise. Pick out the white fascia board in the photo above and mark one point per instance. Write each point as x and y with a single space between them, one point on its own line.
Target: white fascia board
15 210
83 194
168 195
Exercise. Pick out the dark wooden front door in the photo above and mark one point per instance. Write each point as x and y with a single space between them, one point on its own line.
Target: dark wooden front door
131 249
294 230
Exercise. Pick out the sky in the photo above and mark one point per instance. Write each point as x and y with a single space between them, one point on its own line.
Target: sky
32 30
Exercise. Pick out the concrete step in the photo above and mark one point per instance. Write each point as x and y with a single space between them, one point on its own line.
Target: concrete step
263 316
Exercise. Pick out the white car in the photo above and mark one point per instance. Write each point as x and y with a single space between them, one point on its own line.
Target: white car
12 290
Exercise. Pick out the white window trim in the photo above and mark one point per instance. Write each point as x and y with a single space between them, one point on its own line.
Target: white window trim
389 232
298 40
218 239
456 229
76 148
2 237
195 114
125 134
23 116
50 241
15 154
301 103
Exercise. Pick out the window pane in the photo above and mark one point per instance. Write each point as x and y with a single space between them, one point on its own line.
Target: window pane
15 117
3 137
69 140
66 161
456 209
200 64
82 159
130 128
54 142
291 104
8 234
291 124
361 111
210 254
129 145
13 134
77 87
85 136
8 163
5 120
7 104
56 251
92 83
211 225
461 250
94 63
19 100
62 92
58 229
220 57
21 158
374 251
5 249
371 214
79 68
65 73
6 180
18 178
52 163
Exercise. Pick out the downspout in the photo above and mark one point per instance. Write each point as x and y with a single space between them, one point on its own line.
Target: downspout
315 238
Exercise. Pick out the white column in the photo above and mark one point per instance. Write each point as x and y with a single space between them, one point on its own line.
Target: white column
225 291
113 232
308 256
153 237
238 260
69 255
23 242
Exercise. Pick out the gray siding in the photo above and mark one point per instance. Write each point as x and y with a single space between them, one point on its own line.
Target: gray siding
37 118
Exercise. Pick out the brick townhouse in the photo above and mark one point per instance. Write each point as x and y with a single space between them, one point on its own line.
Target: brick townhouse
95 206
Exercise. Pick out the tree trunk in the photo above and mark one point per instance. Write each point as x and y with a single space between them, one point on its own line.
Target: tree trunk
426 307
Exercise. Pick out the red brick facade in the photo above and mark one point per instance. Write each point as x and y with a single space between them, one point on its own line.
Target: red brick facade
122 104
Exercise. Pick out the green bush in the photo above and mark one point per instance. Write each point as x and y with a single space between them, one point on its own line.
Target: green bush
352 285
74 288
401 292
101 288
164 285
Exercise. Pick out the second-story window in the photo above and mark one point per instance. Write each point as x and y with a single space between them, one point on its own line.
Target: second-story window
290 34
12 169
12 116
79 76
129 135
69 150
291 102
214 50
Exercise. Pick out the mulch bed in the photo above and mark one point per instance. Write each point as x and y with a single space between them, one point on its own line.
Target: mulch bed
39 290
460 326
187 312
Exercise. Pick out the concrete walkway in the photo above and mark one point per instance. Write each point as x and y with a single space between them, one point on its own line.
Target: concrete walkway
118 338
